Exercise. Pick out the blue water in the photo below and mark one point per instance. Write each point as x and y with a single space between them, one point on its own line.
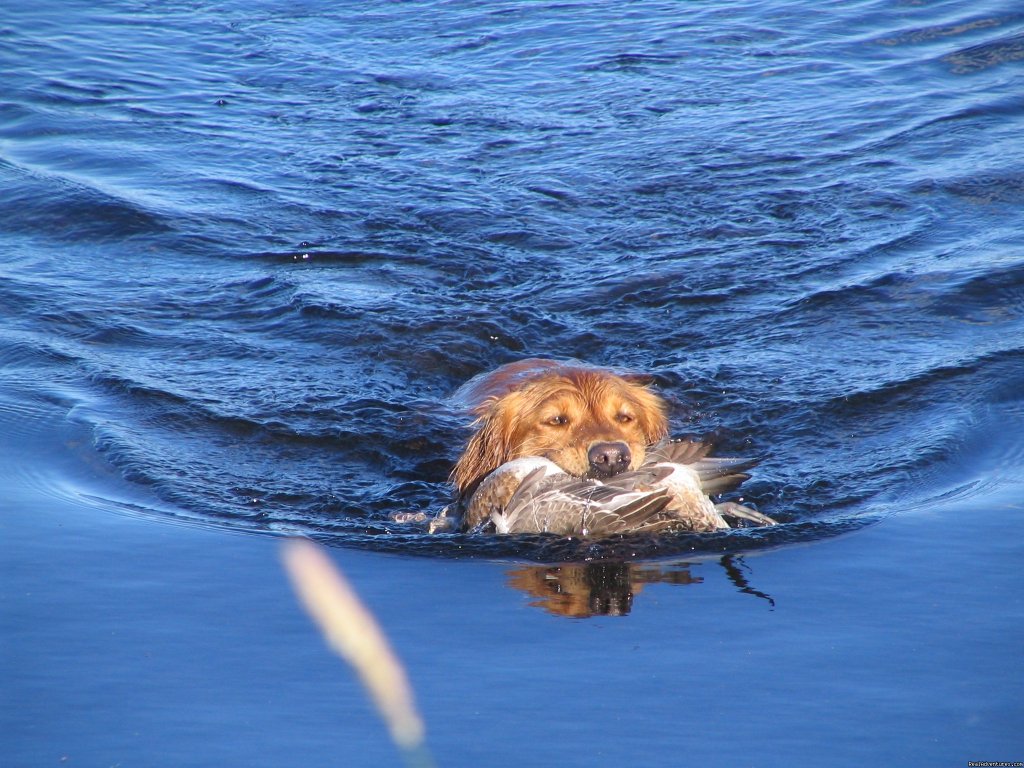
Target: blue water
250 250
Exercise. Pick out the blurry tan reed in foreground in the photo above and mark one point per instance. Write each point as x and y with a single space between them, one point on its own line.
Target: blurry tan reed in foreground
352 631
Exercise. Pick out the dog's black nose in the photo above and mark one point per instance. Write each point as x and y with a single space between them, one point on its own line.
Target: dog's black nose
607 459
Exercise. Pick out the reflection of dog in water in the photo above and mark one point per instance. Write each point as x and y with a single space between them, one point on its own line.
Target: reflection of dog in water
608 589
590 589
575 450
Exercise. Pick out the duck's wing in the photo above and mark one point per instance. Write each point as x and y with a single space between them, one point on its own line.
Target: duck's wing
644 477
497 490
529 488
569 506
717 474
624 512
691 477
678 451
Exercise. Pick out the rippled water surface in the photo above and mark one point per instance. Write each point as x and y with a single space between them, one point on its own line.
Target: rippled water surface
251 250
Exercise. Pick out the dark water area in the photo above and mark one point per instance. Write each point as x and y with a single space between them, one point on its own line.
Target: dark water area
251 250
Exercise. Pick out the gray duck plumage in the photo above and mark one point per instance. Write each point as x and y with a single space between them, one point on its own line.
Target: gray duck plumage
670 491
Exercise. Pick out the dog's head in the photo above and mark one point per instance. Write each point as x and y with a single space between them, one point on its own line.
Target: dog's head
590 422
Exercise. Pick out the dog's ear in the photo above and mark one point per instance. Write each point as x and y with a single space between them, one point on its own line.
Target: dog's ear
488 448
652 415
484 408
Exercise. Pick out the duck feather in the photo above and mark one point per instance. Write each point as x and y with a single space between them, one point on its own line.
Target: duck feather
669 491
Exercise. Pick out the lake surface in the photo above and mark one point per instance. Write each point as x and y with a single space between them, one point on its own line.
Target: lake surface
251 250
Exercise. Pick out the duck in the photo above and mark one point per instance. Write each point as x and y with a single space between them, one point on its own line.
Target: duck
670 491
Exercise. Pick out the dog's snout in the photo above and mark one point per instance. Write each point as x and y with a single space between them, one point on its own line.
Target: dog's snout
607 459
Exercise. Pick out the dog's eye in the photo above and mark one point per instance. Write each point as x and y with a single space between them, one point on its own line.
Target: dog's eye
558 421
624 418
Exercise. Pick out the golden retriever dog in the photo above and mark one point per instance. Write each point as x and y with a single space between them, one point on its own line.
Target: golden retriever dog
589 421
574 450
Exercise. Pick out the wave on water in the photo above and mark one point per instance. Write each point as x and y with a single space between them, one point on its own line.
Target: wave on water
249 273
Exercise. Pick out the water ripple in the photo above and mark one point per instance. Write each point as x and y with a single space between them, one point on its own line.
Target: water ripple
257 251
